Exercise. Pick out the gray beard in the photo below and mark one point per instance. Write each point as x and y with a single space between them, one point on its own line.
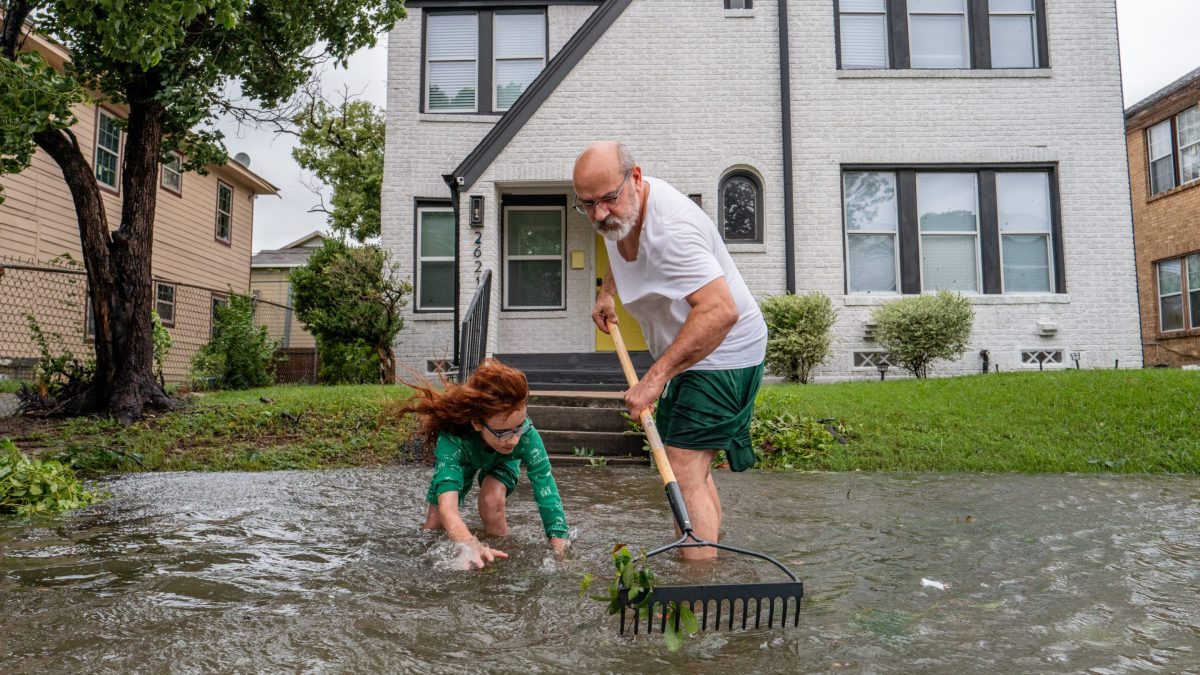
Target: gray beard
614 229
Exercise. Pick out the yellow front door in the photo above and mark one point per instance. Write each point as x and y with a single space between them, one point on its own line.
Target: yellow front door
630 330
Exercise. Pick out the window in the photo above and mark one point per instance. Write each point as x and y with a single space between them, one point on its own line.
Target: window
871 228
503 63
863 29
172 174
108 149
740 207
520 41
452 44
948 214
533 257
1023 200
435 259
989 230
1041 357
937 32
1179 135
739 4
218 301
1013 31
1179 293
224 231
903 34
1189 145
872 360
1162 158
164 303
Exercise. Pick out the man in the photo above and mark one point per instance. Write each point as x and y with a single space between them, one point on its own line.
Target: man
703 327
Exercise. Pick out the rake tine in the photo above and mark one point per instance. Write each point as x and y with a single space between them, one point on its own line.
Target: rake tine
771 614
757 611
637 619
704 621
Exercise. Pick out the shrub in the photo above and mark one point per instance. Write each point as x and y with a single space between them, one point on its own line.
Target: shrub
348 363
917 330
59 378
239 355
798 333
162 345
35 487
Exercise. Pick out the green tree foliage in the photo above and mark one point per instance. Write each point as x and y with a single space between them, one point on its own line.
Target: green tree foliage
798 333
352 295
348 362
343 147
239 355
917 330
171 65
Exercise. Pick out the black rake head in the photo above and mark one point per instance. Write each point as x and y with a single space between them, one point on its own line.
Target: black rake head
717 606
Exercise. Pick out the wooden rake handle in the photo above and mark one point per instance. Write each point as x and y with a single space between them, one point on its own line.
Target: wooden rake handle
647 420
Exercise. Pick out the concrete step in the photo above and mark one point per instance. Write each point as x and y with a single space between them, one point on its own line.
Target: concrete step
577 399
576 418
558 459
574 360
602 443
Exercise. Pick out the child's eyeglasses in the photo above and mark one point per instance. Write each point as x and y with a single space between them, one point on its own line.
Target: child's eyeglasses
505 434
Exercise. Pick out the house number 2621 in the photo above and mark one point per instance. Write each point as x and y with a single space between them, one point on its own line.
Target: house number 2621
478 253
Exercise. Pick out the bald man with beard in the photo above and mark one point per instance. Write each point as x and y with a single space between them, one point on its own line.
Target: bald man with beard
703 327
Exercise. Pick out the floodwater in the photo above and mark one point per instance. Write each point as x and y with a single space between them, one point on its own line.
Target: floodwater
327 572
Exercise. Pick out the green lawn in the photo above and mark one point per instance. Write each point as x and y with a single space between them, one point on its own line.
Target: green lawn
288 427
1065 421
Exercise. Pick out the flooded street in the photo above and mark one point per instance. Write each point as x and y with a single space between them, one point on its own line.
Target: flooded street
327 572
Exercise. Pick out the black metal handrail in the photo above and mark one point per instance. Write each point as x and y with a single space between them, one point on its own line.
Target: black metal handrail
473 342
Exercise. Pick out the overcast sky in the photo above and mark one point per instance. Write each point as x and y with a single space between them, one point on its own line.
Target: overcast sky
1158 46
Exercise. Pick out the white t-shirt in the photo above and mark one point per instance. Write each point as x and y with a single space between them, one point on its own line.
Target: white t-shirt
679 252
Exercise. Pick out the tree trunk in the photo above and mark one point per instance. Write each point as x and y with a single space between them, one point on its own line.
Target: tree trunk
118 266
387 364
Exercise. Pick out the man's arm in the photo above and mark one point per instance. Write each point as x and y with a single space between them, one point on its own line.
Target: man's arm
712 316
605 309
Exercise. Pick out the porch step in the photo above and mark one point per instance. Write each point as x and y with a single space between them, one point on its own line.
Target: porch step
585 429
582 371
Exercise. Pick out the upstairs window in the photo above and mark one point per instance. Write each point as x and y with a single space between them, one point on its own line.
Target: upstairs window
937 34
1173 146
172 174
1013 27
452 49
740 207
863 29
945 34
224 230
498 53
520 54
108 150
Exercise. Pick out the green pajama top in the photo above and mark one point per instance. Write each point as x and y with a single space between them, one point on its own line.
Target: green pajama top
459 458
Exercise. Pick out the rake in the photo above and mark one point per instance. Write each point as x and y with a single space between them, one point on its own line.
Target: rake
728 604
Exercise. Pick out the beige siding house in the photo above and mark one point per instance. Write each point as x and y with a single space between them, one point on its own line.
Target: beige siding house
202 241
269 270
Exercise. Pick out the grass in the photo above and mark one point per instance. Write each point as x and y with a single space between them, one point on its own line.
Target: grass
286 427
1128 421
9 386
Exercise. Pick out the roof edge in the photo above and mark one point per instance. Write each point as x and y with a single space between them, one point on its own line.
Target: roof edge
1180 84
488 149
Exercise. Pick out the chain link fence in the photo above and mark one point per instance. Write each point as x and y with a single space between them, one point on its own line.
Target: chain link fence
51 298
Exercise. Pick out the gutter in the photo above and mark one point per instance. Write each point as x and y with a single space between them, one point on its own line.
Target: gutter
785 103
453 184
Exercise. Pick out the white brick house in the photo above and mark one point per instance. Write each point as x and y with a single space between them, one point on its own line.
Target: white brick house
874 147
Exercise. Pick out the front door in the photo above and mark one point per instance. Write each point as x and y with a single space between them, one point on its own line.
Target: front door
630 330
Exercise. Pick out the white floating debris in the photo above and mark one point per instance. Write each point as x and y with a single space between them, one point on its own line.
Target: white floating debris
930 583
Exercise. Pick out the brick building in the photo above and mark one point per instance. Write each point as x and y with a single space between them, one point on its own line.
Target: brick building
1163 135
873 148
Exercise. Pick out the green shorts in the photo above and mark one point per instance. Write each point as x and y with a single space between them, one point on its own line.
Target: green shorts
506 472
711 410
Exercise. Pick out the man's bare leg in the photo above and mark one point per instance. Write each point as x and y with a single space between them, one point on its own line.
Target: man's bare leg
693 472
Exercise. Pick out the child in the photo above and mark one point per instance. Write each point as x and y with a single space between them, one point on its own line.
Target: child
480 430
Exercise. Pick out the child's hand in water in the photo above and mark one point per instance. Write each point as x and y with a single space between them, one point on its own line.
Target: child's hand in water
478 555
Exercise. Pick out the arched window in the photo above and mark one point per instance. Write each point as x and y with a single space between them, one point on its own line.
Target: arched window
740 207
